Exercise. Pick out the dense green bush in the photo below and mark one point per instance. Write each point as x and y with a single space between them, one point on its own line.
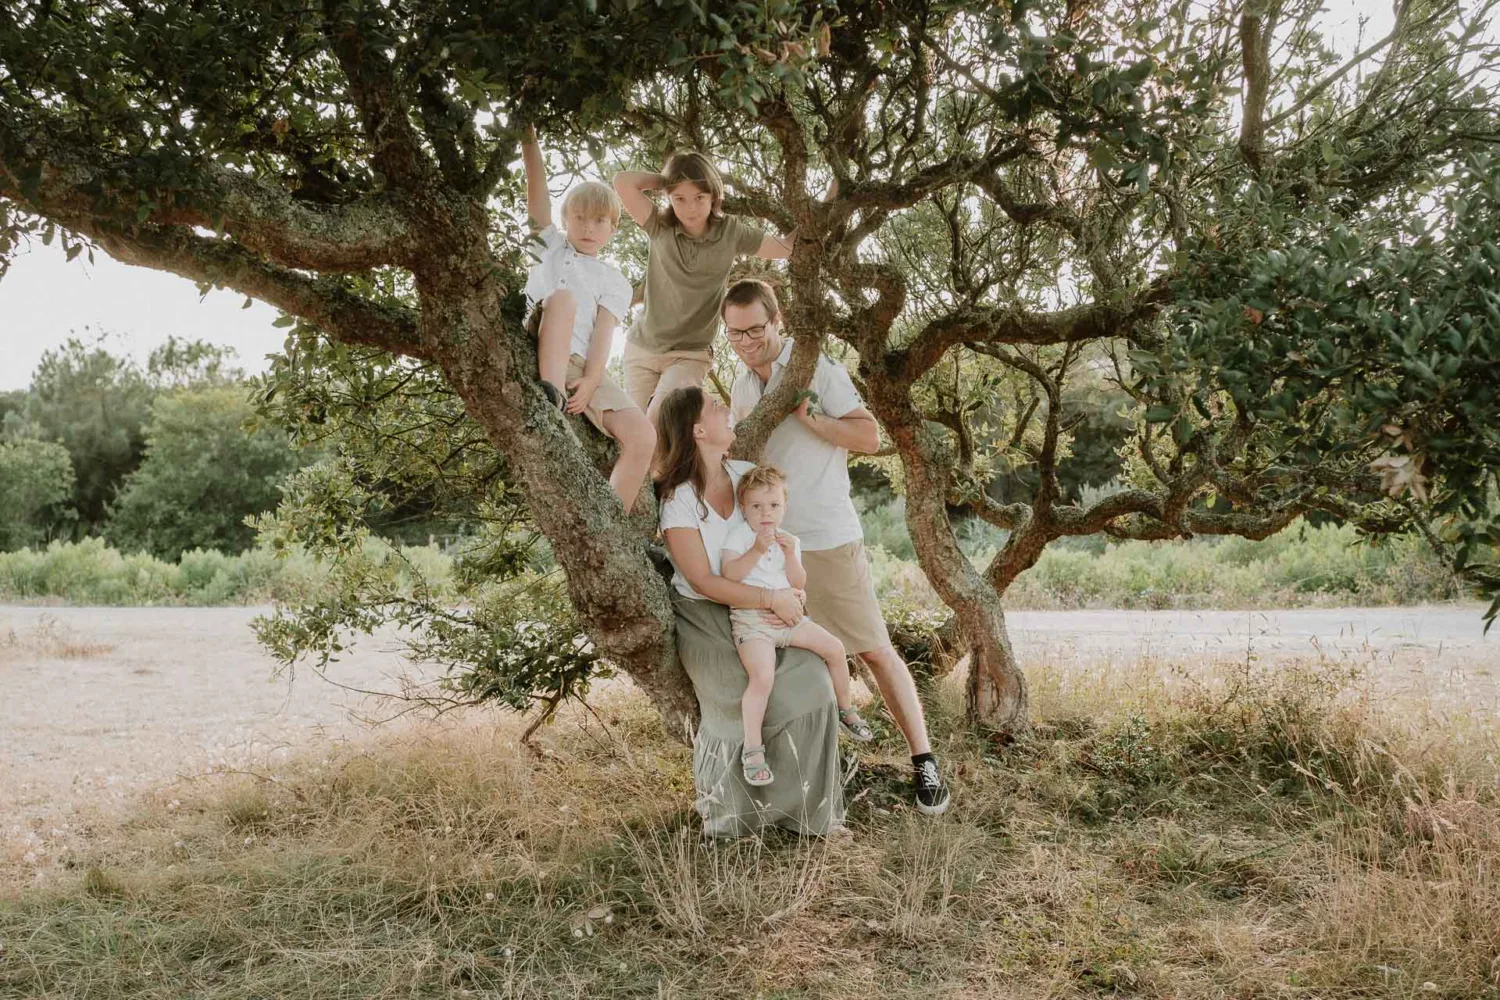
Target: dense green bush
204 473
91 572
36 481
1302 565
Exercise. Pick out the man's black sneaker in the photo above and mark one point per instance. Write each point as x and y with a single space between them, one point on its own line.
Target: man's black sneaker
932 794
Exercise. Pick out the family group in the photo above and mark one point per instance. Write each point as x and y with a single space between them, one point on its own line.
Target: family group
772 587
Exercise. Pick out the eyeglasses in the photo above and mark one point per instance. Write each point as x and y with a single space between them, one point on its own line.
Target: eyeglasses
756 332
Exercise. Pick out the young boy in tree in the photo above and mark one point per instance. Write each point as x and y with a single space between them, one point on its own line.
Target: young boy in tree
757 552
576 302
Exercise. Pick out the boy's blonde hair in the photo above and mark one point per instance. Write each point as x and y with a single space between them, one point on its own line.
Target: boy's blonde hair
762 477
591 198
692 166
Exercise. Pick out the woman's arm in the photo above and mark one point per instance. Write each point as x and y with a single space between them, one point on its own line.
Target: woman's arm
631 186
685 545
538 198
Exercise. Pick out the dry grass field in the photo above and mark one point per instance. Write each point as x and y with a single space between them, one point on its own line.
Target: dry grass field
1269 822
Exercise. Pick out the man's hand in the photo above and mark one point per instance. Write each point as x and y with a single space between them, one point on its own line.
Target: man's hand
581 393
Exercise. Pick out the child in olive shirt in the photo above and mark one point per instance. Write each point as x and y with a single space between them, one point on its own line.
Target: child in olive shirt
694 243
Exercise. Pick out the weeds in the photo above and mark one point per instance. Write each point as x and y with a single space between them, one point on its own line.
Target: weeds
1257 832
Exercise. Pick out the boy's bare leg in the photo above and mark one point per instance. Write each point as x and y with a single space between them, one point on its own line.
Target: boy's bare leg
556 337
817 639
637 439
759 660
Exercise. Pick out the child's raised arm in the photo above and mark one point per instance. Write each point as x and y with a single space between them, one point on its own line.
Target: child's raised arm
737 565
631 186
796 573
538 198
776 247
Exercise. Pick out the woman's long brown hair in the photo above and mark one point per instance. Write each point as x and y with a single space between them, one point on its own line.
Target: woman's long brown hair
676 448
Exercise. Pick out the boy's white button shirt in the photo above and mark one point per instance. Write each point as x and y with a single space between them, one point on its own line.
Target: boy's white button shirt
592 282
819 510
770 571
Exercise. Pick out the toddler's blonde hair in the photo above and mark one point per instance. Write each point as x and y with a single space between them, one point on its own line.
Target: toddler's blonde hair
762 477
591 198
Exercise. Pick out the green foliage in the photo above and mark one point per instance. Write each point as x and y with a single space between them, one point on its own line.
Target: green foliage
36 482
495 614
1297 567
95 404
1373 340
204 473
91 572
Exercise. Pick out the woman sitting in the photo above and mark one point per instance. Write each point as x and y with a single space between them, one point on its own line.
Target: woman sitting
800 730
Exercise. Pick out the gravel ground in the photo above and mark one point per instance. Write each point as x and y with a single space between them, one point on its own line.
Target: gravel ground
98 705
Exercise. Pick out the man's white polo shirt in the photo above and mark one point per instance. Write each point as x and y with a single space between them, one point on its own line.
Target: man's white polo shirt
819 510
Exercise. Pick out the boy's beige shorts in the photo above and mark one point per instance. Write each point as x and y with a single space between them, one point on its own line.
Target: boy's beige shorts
607 397
648 375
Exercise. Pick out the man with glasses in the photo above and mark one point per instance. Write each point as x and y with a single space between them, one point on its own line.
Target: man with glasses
811 448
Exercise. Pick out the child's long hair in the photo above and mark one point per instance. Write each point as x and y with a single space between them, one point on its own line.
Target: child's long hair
691 165
676 448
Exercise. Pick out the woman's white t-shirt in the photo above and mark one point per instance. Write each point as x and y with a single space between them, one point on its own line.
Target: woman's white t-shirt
683 509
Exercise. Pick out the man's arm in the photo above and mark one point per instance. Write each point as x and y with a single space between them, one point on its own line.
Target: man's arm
855 431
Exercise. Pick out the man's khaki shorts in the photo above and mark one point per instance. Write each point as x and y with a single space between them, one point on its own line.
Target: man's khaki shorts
607 397
648 375
841 597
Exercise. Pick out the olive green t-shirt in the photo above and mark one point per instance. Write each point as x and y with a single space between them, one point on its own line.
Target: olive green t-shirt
685 280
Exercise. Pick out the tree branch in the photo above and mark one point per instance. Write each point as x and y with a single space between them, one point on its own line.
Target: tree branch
1256 27
47 174
325 302
395 148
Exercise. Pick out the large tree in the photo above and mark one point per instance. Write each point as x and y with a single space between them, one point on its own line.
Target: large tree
1174 198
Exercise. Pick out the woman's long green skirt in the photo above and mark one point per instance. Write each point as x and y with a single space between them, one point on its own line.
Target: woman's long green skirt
801 732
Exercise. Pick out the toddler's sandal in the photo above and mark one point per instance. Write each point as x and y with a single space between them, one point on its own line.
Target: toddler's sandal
858 729
753 763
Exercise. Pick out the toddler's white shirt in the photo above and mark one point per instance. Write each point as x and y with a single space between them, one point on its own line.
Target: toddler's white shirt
770 572
592 282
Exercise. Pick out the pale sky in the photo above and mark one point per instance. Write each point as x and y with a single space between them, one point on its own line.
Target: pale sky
44 299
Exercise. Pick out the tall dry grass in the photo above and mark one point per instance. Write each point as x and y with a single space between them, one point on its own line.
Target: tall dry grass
1240 831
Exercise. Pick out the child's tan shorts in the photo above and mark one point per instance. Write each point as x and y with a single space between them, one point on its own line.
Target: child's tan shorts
607 397
748 625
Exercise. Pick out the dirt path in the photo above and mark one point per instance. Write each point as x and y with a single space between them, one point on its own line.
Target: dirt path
98 704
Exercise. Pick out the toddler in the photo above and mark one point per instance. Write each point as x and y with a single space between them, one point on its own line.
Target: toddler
756 552
577 300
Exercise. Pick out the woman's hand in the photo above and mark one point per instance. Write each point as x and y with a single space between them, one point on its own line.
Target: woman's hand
787 606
